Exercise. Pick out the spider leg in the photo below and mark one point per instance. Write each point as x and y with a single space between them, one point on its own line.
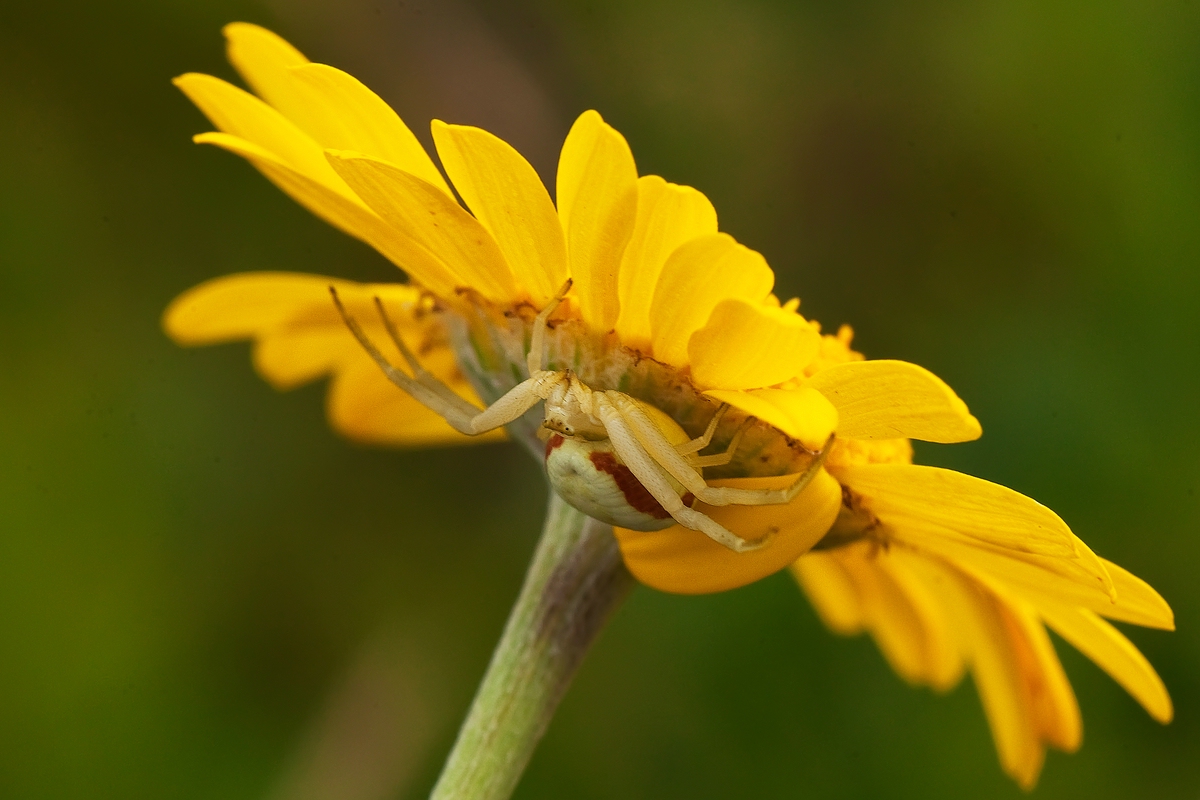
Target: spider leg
701 442
421 374
464 417
649 437
651 475
721 459
724 495
536 359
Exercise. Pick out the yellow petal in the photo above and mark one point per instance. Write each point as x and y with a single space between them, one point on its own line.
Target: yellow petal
508 198
695 278
264 59
927 501
428 216
1116 655
667 216
803 414
332 107
1136 602
684 561
346 212
336 205
597 204
894 399
831 591
748 346
349 116
243 115
1040 579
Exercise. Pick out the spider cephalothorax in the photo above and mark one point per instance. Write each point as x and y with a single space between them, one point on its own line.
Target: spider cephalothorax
610 455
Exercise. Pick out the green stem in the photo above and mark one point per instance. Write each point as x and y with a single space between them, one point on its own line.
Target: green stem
575 582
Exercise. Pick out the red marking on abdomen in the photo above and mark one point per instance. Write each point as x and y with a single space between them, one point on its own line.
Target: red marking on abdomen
553 443
637 495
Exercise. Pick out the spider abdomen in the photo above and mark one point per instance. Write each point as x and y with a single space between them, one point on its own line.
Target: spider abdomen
590 476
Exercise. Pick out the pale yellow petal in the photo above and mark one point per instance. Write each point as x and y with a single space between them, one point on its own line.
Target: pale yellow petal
243 115
751 345
507 197
299 336
667 216
241 306
864 586
893 399
941 664
346 212
296 357
1051 698
1112 652
831 591
428 216
597 204
919 500
314 341
896 624
695 278
803 414
996 670
349 116
684 561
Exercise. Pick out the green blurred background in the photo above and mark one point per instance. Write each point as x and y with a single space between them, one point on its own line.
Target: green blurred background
204 593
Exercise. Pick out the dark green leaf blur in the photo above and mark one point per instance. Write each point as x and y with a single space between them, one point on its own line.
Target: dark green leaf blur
205 593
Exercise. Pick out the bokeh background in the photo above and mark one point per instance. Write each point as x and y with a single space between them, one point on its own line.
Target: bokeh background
204 593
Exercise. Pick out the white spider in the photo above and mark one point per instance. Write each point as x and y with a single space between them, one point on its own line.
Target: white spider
609 455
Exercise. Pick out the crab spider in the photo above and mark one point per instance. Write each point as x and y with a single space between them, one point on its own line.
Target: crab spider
609 455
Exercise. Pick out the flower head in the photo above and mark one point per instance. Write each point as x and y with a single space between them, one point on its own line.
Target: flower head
949 573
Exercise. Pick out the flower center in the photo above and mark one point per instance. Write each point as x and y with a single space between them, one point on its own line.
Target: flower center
491 344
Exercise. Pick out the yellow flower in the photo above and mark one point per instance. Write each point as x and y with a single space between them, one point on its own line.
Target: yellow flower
949 573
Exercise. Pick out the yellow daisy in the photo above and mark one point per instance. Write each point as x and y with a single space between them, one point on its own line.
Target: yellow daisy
949 573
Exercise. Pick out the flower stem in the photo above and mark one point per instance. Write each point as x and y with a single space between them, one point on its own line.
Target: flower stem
575 582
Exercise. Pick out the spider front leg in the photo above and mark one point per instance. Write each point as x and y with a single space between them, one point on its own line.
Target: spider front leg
422 375
439 398
701 441
648 472
535 359
649 437
721 459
